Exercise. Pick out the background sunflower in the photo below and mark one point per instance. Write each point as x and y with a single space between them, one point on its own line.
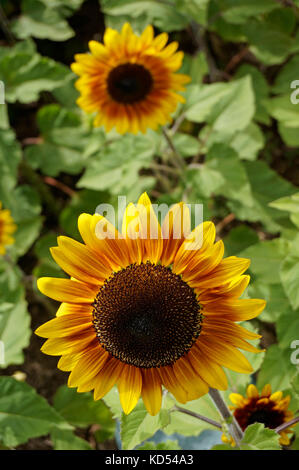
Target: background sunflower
130 80
124 122
7 228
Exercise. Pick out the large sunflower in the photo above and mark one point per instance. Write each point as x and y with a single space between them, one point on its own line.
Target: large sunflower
142 312
130 80
7 228
268 408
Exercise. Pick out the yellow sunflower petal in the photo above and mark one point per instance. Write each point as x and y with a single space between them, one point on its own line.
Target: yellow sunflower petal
67 290
151 391
129 386
252 391
266 391
107 377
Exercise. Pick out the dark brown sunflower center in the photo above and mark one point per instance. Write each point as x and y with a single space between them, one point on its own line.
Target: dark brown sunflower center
146 316
259 413
129 83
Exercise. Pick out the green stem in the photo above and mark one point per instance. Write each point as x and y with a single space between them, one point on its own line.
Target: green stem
178 160
234 428
198 416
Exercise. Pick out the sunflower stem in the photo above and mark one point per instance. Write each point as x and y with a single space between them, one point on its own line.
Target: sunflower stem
234 428
178 159
198 416
286 424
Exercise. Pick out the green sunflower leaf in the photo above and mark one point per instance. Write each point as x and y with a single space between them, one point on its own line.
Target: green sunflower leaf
226 107
45 20
167 445
26 73
139 425
67 440
290 279
24 414
162 15
80 409
277 368
62 144
256 437
13 312
188 425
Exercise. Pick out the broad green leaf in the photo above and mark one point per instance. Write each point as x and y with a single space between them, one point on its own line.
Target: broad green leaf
226 107
204 180
10 157
185 144
24 414
116 166
111 399
277 368
239 12
188 425
225 161
266 258
26 73
239 239
63 143
80 409
295 384
167 445
266 186
139 425
290 279
162 15
268 44
67 440
261 90
288 203
282 109
257 437
285 334
286 76
25 208
249 142
196 67
45 20
13 312
277 301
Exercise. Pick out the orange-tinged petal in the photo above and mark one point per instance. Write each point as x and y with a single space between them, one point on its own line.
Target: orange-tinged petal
151 391
65 326
171 383
266 391
107 377
67 290
88 366
225 355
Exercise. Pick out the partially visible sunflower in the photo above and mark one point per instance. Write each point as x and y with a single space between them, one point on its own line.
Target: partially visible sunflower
130 80
142 312
268 408
7 228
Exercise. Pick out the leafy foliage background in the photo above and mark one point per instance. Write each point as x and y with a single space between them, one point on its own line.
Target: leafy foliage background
238 136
